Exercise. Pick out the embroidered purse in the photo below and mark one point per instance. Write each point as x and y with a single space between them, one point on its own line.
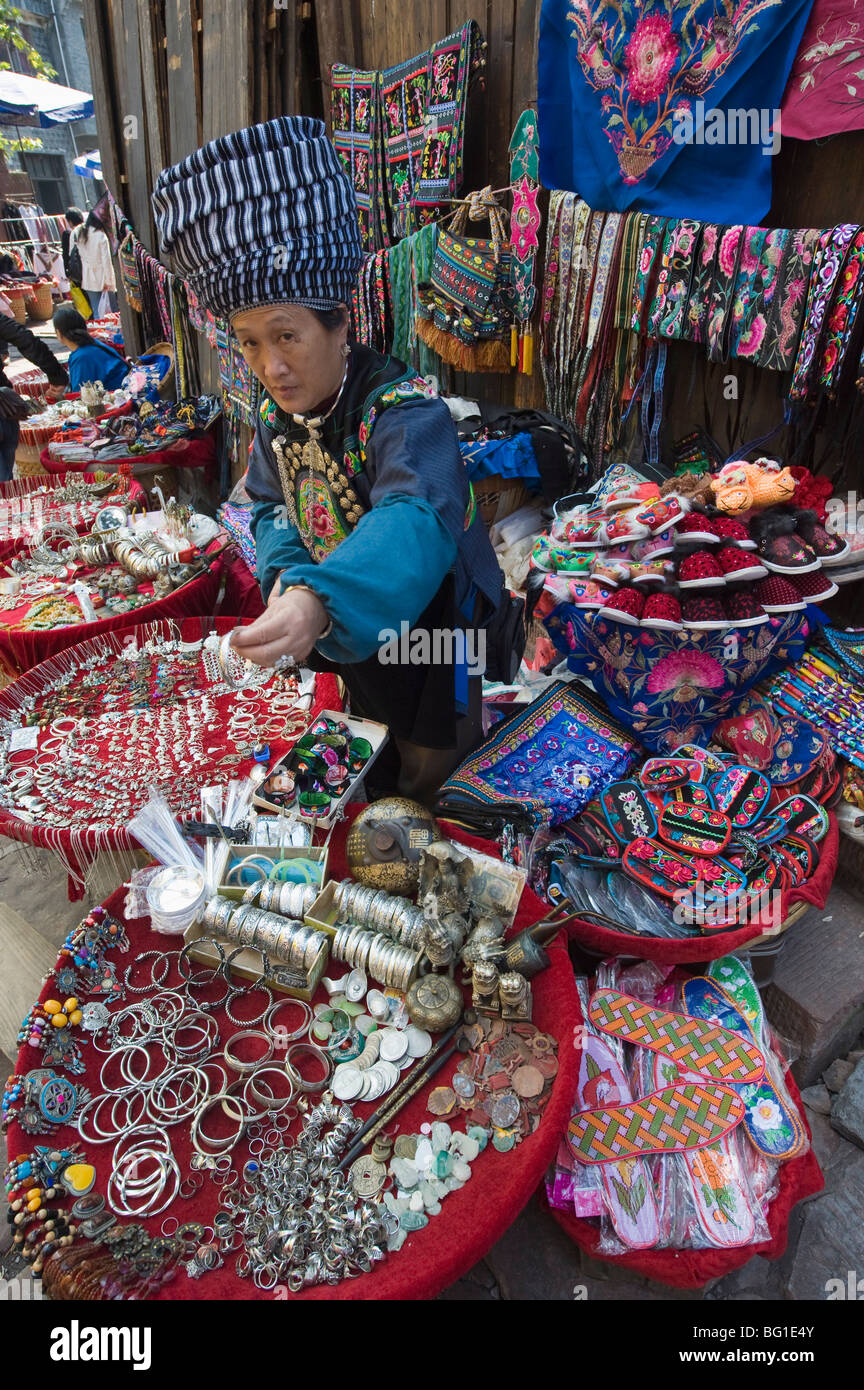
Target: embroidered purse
464 313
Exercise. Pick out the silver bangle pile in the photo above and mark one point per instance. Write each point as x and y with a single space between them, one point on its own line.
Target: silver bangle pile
379 955
381 911
299 1219
288 899
281 939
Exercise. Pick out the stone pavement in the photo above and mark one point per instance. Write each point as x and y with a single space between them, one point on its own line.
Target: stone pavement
816 999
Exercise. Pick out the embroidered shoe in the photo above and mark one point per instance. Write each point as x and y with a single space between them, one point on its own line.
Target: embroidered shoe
662 611
733 531
777 595
580 527
632 495
556 558
650 573
816 587
663 513
655 546
704 614
781 550
737 564
745 611
610 572
699 571
587 593
831 550
623 527
625 606
696 527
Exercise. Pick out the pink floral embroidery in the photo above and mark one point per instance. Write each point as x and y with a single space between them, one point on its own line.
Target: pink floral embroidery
651 55
751 341
685 674
729 250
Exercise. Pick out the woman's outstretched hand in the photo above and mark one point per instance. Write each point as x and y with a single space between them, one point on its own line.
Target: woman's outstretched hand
291 626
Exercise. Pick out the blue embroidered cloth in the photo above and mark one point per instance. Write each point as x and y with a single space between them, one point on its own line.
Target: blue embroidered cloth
623 84
673 687
545 764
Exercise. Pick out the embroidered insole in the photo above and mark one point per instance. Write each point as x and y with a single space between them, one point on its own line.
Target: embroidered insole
696 828
667 1121
691 1042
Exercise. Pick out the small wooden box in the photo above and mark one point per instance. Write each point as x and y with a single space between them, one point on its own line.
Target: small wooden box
248 965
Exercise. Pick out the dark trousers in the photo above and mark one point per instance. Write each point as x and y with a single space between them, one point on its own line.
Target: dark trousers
9 432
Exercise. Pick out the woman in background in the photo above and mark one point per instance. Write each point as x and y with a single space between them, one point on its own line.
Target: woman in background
74 218
97 269
89 359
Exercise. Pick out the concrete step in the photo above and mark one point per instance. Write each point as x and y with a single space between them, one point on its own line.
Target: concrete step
816 998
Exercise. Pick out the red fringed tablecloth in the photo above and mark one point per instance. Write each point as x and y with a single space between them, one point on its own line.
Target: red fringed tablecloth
471 1219
798 1179
692 949
79 847
22 649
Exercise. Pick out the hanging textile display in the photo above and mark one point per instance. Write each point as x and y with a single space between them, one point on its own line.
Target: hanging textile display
129 271
409 266
370 303
524 242
400 134
354 121
240 387
653 110
823 95
465 313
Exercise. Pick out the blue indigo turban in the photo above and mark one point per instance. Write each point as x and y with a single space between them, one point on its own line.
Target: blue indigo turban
264 216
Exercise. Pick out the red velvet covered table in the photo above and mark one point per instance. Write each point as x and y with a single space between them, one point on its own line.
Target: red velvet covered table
183 453
471 1219
77 848
22 649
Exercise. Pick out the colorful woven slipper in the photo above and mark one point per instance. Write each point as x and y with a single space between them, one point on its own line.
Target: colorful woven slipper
667 1121
740 793
771 1125
669 873
694 1044
627 1186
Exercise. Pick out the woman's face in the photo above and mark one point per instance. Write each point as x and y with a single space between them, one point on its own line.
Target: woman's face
297 359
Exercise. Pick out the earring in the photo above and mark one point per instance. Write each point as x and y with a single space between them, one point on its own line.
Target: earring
345 350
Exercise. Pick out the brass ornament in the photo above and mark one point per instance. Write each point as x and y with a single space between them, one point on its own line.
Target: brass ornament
434 1002
386 842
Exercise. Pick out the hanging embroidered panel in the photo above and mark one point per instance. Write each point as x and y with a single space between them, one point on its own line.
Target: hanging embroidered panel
824 94
665 107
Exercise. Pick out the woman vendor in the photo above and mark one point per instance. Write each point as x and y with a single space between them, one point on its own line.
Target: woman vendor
363 515
89 358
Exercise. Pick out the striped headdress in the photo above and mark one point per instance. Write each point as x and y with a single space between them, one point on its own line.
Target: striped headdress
263 216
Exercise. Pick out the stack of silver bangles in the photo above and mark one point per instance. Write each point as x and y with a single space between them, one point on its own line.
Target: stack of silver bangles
281 939
379 955
299 1219
381 911
289 899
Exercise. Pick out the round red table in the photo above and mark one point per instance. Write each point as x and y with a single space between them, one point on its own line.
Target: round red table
471 1219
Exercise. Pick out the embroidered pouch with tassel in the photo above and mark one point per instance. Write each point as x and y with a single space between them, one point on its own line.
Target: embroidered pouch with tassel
464 312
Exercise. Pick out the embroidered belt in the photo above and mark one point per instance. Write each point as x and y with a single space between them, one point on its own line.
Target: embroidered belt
828 261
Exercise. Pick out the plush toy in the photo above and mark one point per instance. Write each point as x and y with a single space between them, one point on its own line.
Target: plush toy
742 487
696 487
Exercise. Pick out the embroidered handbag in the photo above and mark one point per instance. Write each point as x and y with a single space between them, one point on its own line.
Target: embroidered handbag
464 311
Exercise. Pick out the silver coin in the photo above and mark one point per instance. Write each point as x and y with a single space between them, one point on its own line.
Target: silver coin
390 1072
419 1041
463 1086
406 1062
394 1045
347 1082
504 1110
374 1079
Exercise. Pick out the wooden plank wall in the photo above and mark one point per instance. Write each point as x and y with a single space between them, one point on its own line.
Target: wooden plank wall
206 67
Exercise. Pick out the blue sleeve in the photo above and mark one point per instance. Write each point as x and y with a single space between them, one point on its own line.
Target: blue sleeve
74 370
